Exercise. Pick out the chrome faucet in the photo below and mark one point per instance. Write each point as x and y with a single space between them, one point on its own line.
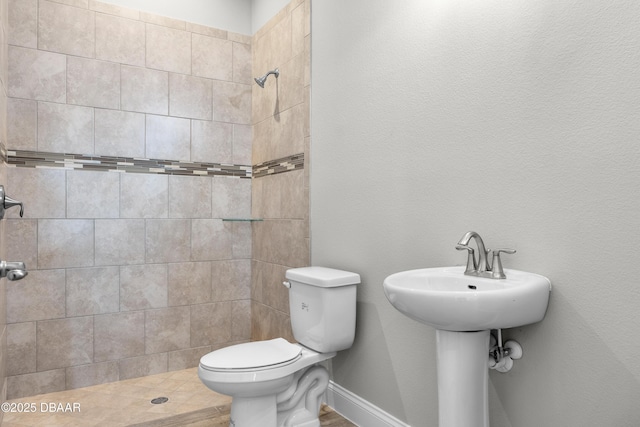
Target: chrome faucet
483 266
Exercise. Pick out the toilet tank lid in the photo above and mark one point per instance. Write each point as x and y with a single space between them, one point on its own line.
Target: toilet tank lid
323 276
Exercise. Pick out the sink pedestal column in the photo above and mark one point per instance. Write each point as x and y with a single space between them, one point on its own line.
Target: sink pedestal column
463 378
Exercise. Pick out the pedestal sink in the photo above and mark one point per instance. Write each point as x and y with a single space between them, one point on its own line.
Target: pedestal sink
464 309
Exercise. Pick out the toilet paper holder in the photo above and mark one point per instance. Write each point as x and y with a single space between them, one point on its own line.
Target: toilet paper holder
7 202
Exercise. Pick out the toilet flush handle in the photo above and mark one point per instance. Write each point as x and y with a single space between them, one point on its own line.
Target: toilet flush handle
287 284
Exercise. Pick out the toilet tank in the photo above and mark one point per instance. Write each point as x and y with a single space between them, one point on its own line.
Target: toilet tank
322 303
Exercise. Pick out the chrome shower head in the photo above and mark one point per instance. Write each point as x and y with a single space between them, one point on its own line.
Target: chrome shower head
261 80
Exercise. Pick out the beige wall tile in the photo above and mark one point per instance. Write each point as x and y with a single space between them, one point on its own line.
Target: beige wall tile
281 242
93 83
142 366
167 138
120 40
239 38
92 194
22 241
77 3
23 23
190 197
92 291
185 359
241 320
167 240
22 116
267 323
167 329
143 286
65 243
231 280
119 335
190 97
38 75
298 30
113 9
288 132
241 246
210 323
207 31
274 294
242 72
242 144
163 21
289 190
211 142
43 192
212 57
144 196
40 295
21 348
119 241
92 374
262 145
65 128
231 198
264 101
168 49
37 383
307 61
143 90
64 342
210 240
66 29
291 84
231 102
119 133
189 283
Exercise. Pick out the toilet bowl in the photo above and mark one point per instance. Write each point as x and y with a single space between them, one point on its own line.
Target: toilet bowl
275 383
265 380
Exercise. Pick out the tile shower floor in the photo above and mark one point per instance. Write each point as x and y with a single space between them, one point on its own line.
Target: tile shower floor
128 403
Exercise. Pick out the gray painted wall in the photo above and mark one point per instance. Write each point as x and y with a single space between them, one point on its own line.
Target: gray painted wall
519 120
263 10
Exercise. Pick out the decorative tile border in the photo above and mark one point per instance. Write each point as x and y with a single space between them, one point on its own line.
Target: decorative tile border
41 159
3 153
36 159
284 164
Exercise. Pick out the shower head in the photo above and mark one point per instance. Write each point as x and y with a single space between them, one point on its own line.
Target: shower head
261 80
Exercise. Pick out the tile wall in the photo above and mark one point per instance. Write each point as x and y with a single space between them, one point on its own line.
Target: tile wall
280 194
130 274
4 26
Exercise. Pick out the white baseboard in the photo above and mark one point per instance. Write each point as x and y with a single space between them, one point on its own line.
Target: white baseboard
357 410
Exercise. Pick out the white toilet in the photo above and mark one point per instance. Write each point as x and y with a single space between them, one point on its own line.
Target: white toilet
275 383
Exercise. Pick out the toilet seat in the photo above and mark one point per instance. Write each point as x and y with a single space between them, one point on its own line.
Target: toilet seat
299 357
252 356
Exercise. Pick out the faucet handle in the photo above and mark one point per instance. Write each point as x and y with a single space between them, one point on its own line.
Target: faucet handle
497 272
7 202
471 260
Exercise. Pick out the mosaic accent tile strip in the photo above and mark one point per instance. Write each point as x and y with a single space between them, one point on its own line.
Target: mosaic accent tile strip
3 153
284 164
37 159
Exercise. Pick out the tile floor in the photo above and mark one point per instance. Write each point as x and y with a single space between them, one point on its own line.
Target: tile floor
128 403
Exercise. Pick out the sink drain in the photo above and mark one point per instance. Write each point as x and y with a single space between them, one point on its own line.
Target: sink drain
159 400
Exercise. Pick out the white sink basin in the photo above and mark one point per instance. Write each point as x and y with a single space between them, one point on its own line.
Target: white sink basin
446 299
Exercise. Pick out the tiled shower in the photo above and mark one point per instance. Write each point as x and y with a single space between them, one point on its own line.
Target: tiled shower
138 267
